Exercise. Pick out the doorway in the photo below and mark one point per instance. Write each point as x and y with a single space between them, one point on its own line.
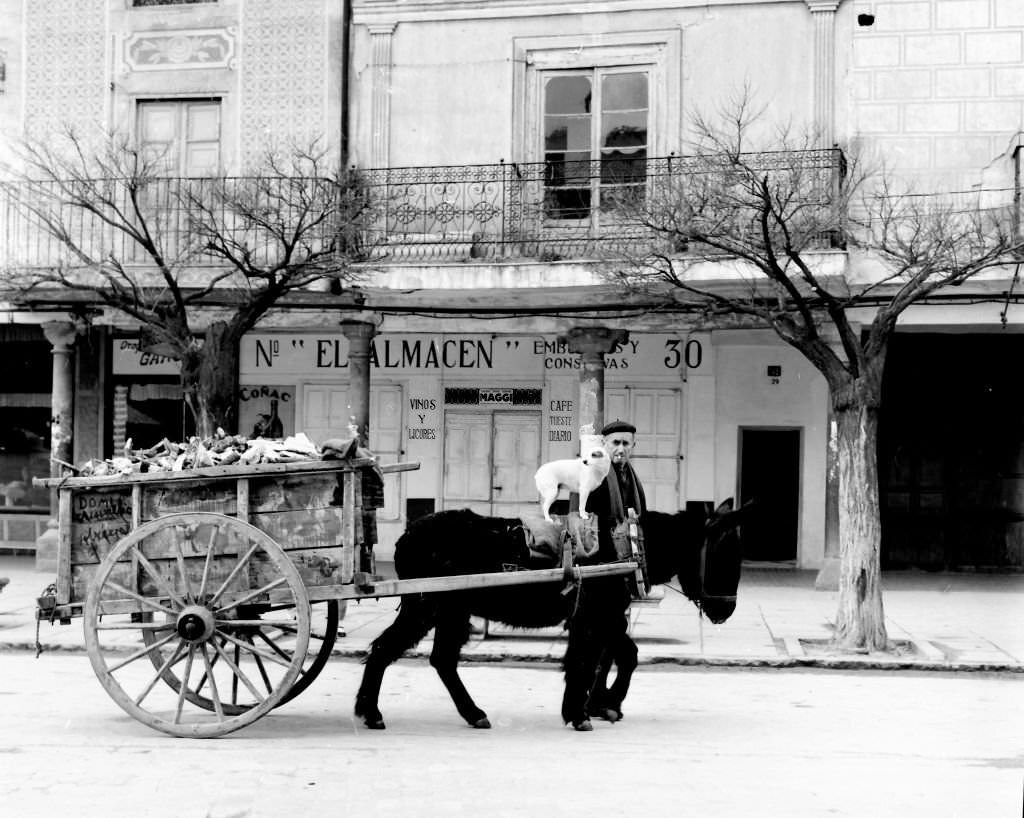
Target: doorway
489 461
770 476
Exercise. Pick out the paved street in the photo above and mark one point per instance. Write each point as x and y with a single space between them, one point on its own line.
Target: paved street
713 742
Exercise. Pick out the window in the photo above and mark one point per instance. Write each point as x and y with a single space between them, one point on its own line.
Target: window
185 134
595 139
588 115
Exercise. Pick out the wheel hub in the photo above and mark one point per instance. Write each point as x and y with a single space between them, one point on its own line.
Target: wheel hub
195 624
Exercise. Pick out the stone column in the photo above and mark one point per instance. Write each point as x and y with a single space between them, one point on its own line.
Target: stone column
381 36
592 343
823 12
61 335
359 332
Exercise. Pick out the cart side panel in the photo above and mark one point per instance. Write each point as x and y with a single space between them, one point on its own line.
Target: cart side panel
99 519
304 514
219 497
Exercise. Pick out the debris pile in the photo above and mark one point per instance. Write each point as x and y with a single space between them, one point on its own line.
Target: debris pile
220 450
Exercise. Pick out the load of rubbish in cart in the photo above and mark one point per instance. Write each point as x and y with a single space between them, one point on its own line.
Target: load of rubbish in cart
222 450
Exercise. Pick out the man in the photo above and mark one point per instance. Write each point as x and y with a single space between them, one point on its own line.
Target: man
598 634
621 489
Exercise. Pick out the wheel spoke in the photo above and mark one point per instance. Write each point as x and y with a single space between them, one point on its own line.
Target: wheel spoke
239 674
218 708
184 683
280 624
234 572
254 650
253 594
273 646
134 626
208 562
149 603
157 579
263 673
180 556
172 659
140 653
202 681
234 679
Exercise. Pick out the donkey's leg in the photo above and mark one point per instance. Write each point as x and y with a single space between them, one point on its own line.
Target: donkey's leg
450 634
415 618
606 702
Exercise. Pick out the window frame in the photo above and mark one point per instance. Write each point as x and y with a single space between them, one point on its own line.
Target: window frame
658 53
181 128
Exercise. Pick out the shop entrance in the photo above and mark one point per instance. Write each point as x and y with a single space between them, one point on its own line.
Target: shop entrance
489 461
770 476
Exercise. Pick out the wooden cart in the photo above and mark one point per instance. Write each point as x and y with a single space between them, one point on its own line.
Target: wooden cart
211 596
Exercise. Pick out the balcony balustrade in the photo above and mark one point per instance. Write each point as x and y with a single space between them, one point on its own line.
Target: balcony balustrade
472 213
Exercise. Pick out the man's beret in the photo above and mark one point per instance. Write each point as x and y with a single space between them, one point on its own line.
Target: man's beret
618 426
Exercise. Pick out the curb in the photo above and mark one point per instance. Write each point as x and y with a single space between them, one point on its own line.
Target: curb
725 662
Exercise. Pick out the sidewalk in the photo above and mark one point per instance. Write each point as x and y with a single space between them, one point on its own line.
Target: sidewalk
936 622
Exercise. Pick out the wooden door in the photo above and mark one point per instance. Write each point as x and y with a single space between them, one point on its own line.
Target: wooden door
657 415
490 460
467 461
516 458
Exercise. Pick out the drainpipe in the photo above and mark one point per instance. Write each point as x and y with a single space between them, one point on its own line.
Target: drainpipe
346 56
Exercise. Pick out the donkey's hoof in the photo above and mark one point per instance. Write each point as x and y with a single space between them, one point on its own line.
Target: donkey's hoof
609 714
582 726
482 723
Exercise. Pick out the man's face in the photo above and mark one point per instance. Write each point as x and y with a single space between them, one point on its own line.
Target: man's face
619 446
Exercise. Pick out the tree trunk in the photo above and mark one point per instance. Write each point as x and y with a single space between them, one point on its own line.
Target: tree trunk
860 621
209 378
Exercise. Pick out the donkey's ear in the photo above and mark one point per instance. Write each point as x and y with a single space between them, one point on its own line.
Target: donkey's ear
724 507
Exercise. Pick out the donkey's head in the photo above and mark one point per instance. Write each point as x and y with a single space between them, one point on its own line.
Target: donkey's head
720 561
710 570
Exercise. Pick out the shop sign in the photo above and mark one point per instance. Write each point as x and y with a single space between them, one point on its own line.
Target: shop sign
128 359
644 354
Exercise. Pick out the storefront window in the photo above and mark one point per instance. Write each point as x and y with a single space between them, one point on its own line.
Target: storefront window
24 454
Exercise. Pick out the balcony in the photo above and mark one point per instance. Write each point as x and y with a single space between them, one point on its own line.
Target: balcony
414 215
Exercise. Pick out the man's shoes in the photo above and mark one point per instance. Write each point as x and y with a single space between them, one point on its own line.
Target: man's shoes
582 726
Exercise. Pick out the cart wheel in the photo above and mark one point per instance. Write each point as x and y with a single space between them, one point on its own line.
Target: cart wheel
220 604
324 620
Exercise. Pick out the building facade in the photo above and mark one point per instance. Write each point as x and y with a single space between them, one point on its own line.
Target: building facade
486 312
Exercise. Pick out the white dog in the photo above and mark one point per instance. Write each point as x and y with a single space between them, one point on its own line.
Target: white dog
582 474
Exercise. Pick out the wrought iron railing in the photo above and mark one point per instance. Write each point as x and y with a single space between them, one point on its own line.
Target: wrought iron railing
506 211
560 210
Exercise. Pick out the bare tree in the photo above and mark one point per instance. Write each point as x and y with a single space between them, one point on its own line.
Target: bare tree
765 217
195 261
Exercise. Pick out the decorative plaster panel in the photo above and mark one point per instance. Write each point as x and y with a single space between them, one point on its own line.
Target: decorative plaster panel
65 64
284 74
191 48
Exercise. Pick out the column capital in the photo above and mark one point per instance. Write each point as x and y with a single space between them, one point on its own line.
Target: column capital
362 325
60 334
594 340
823 6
